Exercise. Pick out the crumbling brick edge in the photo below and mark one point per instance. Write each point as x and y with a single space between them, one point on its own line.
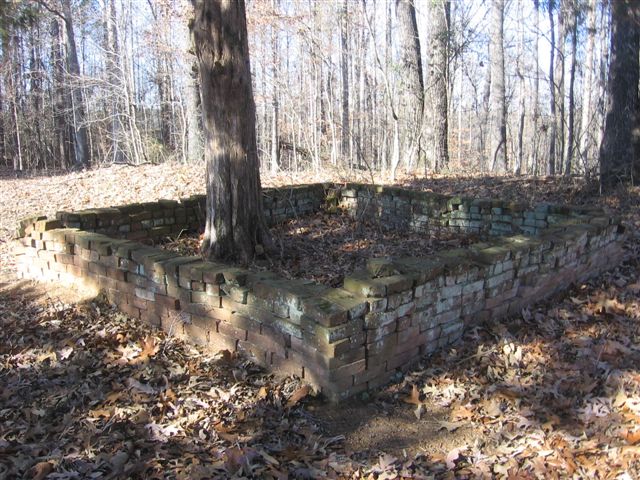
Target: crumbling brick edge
340 340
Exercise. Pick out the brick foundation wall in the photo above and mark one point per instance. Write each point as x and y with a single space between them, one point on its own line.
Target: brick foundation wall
345 340
424 211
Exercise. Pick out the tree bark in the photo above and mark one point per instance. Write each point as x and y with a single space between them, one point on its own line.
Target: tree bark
235 224
61 124
81 142
517 170
411 94
344 68
617 162
535 137
586 126
560 40
438 78
551 163
570 147
497 105
275 107
194 128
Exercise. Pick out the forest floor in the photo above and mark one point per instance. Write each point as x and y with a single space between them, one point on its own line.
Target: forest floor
86 392
326 247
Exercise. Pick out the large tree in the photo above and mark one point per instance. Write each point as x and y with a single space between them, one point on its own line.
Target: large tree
617 162
411 88
437 80
497 104
235 226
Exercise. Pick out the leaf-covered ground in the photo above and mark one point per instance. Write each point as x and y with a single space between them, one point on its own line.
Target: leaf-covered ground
326 247
87 393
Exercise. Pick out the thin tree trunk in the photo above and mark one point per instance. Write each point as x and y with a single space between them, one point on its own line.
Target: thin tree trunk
570 148
344 68
483 124
521 103
275 107
561 39
497 105
586 122
194 129
80 143
411 94
551 164
437 142
536 92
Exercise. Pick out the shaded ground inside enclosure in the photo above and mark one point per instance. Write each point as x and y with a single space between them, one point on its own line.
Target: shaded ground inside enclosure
326 247
86 391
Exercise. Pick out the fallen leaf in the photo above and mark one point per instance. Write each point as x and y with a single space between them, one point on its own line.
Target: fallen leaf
451 458
631 437
262 393
461 413
414 397
141 387
40 470
298 395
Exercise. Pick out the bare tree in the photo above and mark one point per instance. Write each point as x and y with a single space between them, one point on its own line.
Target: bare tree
551 162
587 115
497 104
437 81
573 31
82 156
411 96
344 69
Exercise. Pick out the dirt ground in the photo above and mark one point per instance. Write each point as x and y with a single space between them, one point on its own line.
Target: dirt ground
552 393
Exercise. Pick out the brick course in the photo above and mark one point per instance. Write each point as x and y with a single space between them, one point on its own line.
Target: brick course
343 340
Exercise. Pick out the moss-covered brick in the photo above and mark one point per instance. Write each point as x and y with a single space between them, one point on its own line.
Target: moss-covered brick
379 319
45 225
282 292
321 335
237 294
382 267
323 311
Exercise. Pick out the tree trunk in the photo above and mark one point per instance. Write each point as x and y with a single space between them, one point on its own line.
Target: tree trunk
551 164
411 89
235 224
484 118
437 142
194 128
517 170
586 122
497 106
570 147
80 139
61 123
114 80
535 137
558 76
617 162
275 107
344 68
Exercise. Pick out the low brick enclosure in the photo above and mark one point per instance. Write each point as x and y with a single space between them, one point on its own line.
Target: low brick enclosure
340 340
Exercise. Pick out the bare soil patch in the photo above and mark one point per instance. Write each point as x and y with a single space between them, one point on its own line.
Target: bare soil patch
326 247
